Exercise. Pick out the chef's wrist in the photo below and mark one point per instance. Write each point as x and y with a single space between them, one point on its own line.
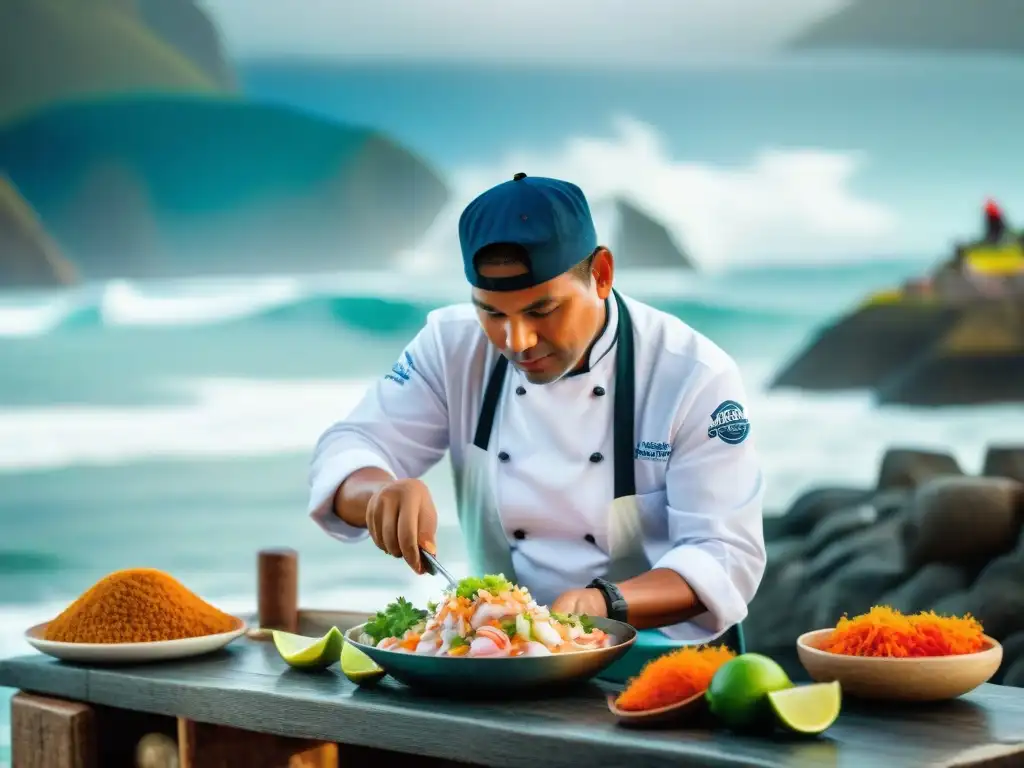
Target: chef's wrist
354 494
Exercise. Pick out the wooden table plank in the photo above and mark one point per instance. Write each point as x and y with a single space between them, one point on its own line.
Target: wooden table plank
247 686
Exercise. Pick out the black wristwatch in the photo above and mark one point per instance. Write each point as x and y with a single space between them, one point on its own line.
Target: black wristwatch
615 603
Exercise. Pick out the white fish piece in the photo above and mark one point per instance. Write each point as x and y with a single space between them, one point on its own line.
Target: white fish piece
484 646
489 612
546 634
533 648
446 640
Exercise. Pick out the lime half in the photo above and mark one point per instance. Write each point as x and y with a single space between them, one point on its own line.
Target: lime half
358 667
309 652
807 708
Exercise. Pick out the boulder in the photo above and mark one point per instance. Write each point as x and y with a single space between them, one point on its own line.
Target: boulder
1012 670
1005 461
885 540
962 520
907 468
926 587
995 598
855 587
815 505
839 525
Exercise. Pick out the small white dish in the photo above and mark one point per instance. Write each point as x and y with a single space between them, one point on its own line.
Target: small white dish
130 653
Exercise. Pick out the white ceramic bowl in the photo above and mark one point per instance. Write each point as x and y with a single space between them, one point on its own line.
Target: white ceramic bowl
930 678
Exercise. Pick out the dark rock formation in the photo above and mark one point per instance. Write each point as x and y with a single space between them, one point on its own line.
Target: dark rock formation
28 256
920 25
935 539
867 346
980 359
171 186
52 50
926 353
640 241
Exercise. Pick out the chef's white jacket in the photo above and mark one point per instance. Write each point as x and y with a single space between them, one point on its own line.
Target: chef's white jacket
699 495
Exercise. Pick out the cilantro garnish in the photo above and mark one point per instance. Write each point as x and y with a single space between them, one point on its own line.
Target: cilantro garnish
468 588
394 621
585 622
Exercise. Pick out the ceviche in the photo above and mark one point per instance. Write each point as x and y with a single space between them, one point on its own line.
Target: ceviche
487 616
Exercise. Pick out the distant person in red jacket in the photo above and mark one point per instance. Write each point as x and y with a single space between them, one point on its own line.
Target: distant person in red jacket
995 224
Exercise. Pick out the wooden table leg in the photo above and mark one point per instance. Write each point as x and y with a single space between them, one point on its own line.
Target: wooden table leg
201 745
52 733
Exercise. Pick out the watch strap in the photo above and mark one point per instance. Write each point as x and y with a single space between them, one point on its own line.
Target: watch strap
615 603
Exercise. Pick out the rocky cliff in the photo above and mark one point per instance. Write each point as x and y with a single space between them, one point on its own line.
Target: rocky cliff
55 50
168 186
638 240
925 537
919 351
923 25
188 29
28 257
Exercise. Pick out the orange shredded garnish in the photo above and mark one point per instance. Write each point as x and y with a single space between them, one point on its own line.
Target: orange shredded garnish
884 631
673 677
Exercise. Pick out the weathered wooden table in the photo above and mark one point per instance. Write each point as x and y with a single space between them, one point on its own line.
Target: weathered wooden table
244 708
248 687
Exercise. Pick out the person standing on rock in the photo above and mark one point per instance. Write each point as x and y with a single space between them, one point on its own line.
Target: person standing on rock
601 448
995 223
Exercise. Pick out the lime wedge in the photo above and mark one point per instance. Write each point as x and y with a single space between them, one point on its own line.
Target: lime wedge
358 667
309 652
807 708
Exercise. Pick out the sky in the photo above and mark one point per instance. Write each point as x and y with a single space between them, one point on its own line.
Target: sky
577 32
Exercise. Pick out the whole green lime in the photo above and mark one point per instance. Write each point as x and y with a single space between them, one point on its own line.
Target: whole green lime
738 694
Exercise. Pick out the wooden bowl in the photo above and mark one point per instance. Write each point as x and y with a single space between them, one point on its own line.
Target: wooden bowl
680 712
931 678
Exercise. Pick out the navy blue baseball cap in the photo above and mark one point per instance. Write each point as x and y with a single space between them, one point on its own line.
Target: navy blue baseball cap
549 218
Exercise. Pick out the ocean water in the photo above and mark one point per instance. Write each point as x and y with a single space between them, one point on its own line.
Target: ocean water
170 424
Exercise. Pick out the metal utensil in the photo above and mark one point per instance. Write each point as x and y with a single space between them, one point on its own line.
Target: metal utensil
434 568
473 677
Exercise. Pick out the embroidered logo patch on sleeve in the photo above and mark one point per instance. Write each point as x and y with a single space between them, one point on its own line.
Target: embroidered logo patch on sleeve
729 424
401 372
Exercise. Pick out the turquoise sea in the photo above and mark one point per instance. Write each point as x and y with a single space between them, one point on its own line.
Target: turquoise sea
170 424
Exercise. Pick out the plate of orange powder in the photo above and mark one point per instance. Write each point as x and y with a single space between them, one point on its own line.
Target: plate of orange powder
885 654
133 616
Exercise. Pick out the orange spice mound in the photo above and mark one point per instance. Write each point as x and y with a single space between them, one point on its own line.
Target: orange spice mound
884 631
673 677
137 606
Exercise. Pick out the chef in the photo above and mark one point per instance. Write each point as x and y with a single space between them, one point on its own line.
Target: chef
602 450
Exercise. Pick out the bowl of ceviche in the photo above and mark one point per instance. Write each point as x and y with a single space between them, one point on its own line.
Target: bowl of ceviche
488 635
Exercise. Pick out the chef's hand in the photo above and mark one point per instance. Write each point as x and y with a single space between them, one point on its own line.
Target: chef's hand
588 601
401 518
